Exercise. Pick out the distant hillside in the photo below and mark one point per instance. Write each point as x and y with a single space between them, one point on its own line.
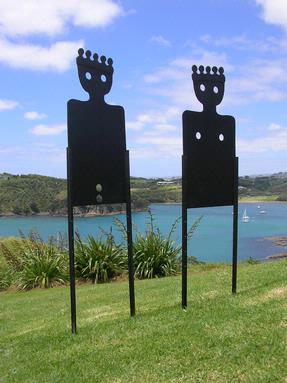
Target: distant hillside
35 194
27 194
274 186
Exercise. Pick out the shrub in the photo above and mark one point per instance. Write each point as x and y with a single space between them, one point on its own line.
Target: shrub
34 207
282 197
100 259
7 275
36 263
7 278
191 260
252 261
10 254
154 254
17 210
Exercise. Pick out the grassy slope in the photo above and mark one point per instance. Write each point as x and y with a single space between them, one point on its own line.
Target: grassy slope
221 338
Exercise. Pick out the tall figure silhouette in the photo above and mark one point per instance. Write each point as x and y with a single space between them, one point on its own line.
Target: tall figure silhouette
209 164
98 162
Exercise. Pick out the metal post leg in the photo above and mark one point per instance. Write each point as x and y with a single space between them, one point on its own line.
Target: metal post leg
129 238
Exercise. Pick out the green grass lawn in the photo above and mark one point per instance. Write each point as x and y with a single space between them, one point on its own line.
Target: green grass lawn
220 338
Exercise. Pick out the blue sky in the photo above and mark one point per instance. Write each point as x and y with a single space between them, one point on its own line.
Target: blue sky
153 45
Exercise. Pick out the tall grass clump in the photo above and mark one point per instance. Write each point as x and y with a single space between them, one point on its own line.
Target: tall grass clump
7 278
34 262
9 250
99 260
156 255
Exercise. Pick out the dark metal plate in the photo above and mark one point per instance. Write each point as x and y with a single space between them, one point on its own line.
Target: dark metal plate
208 144
96 138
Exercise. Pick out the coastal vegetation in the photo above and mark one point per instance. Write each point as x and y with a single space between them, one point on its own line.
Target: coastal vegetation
156 255
36 194
220 338
99 260
26 263
29 262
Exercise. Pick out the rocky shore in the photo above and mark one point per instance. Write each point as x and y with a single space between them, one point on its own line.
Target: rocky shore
280 242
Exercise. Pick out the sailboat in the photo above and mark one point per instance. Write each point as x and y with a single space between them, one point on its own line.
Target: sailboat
245 217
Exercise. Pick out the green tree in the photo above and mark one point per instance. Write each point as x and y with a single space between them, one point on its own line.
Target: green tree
34 207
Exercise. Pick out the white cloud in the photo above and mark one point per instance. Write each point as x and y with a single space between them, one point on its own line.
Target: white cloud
177 69
254 81
143 153
31 17
160 40
159 140
48 130
10 150
158 119
159 137
274 141
273 127
57 57
34 116
22 19
134 125
8 104
34 158
161 145
203 57
259 80
243 42
274 11
174 80
165 127
164 73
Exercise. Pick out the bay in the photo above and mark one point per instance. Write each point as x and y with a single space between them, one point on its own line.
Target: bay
212 241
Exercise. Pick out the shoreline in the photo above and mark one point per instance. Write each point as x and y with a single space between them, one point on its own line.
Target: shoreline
46 214
261 201
277 256
280 242
95 214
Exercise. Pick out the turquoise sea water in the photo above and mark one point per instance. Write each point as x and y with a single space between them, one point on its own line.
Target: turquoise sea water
212 241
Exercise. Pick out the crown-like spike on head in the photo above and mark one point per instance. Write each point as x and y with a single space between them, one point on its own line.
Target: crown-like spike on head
216 76
208 85
95 74
103 66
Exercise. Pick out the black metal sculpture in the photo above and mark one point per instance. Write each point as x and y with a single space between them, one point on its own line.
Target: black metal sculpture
97 159
209 164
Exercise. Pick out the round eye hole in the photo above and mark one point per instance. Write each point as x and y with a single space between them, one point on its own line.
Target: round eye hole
99 188
198 135
202 87
221 137
103 78
215 89
88 75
